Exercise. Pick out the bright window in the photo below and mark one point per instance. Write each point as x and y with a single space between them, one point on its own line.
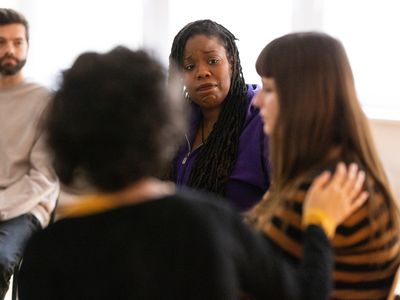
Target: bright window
61 30
254 23
368 29
370 32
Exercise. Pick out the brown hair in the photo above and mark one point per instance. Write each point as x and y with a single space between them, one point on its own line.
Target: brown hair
319 114
9 16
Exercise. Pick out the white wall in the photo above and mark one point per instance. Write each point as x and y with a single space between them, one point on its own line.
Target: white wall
61 30
387 139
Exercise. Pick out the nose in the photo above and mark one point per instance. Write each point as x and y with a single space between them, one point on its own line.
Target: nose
9 49
203 71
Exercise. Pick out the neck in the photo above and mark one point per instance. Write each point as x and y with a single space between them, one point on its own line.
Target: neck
207 123
8 81
210 117
144 190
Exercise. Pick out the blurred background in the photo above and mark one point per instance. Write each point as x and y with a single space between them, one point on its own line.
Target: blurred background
369 30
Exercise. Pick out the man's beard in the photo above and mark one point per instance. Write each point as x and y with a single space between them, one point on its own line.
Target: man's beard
8 69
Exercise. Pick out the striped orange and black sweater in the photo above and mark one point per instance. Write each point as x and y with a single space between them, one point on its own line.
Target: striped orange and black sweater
366 257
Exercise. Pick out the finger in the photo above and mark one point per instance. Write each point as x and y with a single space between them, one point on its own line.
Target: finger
340 174
321 180
355 190
359 201
359 182
351 179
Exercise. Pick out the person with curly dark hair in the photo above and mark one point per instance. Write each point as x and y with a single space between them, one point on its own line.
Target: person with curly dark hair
114 125
226 151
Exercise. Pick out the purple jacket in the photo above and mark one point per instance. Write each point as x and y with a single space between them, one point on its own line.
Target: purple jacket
250 176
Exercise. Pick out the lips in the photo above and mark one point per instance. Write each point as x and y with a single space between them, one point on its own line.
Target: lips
205 87
8 60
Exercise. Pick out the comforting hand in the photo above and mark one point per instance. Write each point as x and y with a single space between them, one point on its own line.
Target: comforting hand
329 201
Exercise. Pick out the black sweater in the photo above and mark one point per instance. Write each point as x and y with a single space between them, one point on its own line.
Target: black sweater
185 246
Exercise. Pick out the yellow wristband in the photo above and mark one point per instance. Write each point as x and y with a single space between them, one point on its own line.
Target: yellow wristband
321 219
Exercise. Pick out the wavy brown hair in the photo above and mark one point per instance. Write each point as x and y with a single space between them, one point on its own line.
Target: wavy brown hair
320 118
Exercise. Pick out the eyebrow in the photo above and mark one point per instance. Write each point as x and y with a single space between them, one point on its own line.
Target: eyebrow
205 52
209 51
12 39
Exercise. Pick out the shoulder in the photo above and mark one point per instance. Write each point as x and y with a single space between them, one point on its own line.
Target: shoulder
26 87
35 96
29 96
252 90
35 91
215 214
307 178
252 113
201 202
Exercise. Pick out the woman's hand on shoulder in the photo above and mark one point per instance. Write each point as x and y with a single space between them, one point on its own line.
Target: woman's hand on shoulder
331 199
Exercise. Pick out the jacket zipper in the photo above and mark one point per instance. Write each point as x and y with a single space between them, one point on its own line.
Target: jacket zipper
190 151
184 160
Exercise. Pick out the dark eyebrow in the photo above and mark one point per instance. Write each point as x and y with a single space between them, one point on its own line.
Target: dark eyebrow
210 51
205 52
16 39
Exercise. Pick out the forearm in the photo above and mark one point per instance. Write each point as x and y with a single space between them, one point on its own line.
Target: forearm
38 185
317 265
27 193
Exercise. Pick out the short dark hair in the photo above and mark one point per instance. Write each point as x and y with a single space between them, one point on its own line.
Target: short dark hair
113 121
9 16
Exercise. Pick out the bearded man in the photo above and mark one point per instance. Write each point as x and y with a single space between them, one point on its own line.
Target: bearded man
28 185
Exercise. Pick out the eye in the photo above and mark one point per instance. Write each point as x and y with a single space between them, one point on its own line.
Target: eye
267 89
188 67
213 61
18 42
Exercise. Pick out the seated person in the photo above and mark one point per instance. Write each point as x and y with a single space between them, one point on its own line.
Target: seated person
28 186
114 125
313 118
225 149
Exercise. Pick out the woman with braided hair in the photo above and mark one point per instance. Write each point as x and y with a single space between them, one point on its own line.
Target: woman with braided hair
226 151
132 236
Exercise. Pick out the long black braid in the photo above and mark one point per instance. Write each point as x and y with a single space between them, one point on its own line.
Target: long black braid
218 155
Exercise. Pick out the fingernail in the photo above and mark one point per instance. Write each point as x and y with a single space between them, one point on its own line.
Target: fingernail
341 166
